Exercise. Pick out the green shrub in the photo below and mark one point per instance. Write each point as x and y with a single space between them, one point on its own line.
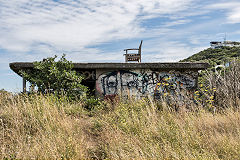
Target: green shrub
58 77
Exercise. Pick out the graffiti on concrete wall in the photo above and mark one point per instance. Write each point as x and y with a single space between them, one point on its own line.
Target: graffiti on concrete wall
88 75
144 82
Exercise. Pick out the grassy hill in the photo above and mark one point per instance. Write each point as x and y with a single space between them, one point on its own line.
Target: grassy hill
215 56
38 127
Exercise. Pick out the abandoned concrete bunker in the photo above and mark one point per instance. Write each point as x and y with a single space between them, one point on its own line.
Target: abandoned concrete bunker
137 79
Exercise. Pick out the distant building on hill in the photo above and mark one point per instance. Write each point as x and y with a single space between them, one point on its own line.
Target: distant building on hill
218 44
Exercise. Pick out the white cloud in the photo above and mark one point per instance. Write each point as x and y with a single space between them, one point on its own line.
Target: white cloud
69 25
177 22
169 51
233 10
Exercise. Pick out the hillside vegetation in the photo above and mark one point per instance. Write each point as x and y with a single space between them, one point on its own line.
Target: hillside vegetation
215 56
48 127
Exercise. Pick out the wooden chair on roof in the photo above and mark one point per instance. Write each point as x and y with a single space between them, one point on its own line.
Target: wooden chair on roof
133 56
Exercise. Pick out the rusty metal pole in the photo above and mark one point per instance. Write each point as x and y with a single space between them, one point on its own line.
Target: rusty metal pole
24 85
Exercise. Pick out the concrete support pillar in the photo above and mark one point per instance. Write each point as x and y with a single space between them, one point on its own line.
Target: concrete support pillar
24 85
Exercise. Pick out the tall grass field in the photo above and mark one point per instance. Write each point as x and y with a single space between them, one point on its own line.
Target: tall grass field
203 126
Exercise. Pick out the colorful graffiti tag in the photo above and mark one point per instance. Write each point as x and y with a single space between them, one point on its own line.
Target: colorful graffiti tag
143 82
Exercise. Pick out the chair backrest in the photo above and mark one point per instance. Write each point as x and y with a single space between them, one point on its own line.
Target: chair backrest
133 56
140 48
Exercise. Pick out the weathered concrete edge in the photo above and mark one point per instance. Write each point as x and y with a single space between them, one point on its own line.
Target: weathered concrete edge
16 66
179 65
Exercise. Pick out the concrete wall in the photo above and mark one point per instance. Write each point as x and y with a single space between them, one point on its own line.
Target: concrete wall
142 79
143 82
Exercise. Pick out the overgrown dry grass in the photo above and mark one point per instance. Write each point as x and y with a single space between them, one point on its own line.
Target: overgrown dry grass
43 127
36 127
140 131
40 127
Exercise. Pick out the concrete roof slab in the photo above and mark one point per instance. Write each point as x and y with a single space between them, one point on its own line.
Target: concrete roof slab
17 66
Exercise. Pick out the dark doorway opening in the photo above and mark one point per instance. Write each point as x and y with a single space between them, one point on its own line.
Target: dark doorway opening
91 86
89 79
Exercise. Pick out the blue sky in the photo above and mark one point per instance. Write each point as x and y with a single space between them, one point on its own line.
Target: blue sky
98 31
